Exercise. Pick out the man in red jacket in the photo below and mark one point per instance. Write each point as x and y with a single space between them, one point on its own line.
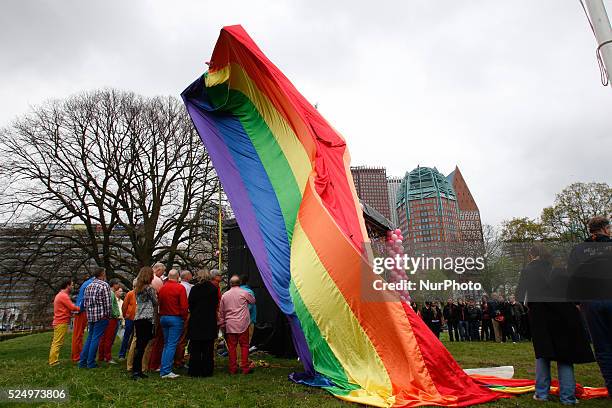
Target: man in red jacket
173 309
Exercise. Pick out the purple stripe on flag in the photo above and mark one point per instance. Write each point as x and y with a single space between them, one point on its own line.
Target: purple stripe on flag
245 215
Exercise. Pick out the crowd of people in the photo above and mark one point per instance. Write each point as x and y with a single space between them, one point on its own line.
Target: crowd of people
563 327
163 314
162 317
492 319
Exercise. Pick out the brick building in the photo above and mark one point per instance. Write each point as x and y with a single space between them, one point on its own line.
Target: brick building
371 187
470 225
428 213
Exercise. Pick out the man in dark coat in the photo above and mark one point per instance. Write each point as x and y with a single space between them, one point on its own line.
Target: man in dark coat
452 319
473 315
557 331
202 329
463 324
427 314
436 322
487 326
517 317
590 275
506 312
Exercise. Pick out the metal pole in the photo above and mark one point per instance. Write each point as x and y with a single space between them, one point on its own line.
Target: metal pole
603 32
220 231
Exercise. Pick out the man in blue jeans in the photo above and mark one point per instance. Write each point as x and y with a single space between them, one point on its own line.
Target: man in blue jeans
462 316
173 310
567 381
97 304
594 259
128 309
599 319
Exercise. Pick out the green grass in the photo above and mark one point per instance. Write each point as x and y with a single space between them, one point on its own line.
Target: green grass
23 363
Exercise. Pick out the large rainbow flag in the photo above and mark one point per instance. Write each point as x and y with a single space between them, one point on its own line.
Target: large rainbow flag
286 173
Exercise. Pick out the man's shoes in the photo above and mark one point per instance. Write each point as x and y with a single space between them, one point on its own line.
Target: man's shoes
111 361
535 397
138 376
170 375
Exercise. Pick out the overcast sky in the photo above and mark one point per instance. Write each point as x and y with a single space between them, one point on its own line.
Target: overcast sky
509 91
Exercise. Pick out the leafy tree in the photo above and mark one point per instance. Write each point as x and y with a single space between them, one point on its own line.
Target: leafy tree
499 271
567 218
523 230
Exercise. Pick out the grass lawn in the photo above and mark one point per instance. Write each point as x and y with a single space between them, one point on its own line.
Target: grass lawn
23 363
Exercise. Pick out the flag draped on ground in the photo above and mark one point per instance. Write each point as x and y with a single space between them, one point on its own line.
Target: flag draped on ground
286 173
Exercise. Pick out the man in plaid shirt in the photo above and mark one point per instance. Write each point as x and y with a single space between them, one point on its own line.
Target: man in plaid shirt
98 307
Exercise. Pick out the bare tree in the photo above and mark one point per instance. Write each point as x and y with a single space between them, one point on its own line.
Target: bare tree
130 172
500 273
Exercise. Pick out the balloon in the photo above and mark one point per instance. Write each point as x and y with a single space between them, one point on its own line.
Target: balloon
391 253
398 241
389 233
398 231
393 237
400 236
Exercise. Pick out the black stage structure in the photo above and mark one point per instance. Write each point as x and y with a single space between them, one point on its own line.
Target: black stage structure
272 333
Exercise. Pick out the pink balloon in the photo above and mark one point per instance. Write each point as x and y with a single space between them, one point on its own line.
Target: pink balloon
398 231
391 253
393 237
389 233
398 241
400 237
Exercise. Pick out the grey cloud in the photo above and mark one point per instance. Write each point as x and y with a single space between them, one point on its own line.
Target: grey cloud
509 91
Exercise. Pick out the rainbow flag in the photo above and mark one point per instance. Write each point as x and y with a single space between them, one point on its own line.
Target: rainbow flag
286 173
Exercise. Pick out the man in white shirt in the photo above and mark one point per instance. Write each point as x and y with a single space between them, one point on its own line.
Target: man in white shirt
179 357
186 278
